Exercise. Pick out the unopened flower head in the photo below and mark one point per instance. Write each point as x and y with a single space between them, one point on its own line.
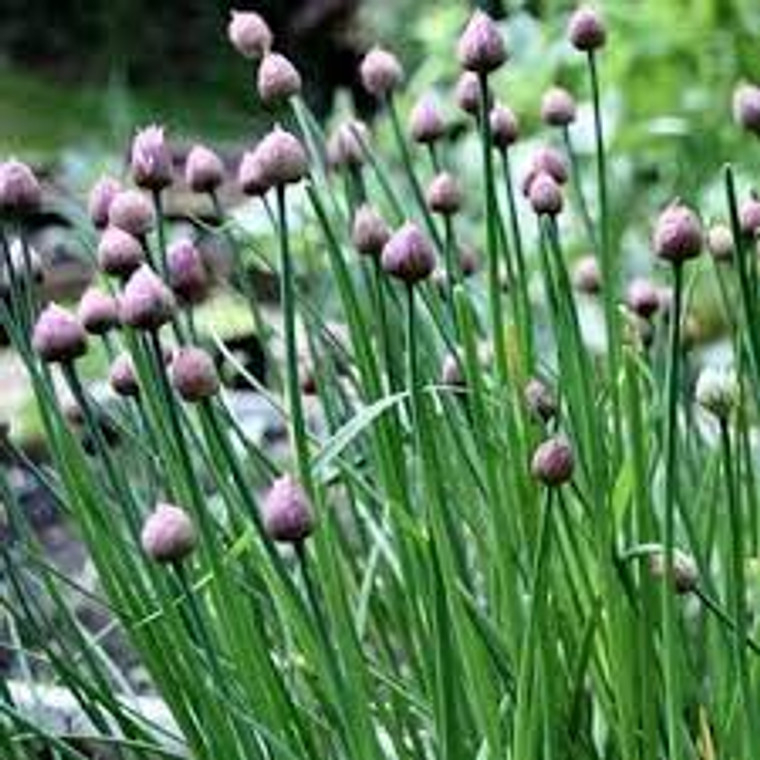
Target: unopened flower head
370 232
481 47
99 202
151 159
586 29
381 72
250 176
146 303
408 255
347 144
119 253
452 373
249 34
444 196
505 127
281 159
168 534
204 170
426 124
746 106
717 391
98 311
132 212
123 378
720 242
678 234
58 336
277 80
287 512
587 275
558 107
194 375
540 400
553 462
685 573
643 297
467 93
187 273
20 191
749 216
545 195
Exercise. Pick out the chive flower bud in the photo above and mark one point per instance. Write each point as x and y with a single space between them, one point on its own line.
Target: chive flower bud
99 202
467 93
20 191
746 106
119 253
194 375
151 159
553 462
678 234
278 79
643 297
187 273
685 573
548 161
146 303
204 170
250 177
587 275
346 144
249 34
451 372
720 242
586 29
369 232
749 216
481 47
558 107
132 212
380 72
426 124
58 336
717 391
281 159
545 195
168 534
123 378
505 127
444 195
469 262
98 311
287 513
540 400
408 255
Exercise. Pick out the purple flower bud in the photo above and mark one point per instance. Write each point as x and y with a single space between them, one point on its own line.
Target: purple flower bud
467 93
720 242
119 253
123 378
194 374
444 195
469 261
98 311
370 232
58 336
146 303
187 273
553 462
250 177
558 107
287 513
678 234
132 212
747 107
549 161
20 191
643 297
545 195
204 170
281 159
168 534
425 122
380 72
587 276
151 161
749 216
249 34
102 194
408 255
481 46
505 128
685 573
451 371
278 79
347 143
540 400
586 29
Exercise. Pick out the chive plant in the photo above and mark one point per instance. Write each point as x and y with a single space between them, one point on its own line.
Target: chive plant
485 539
